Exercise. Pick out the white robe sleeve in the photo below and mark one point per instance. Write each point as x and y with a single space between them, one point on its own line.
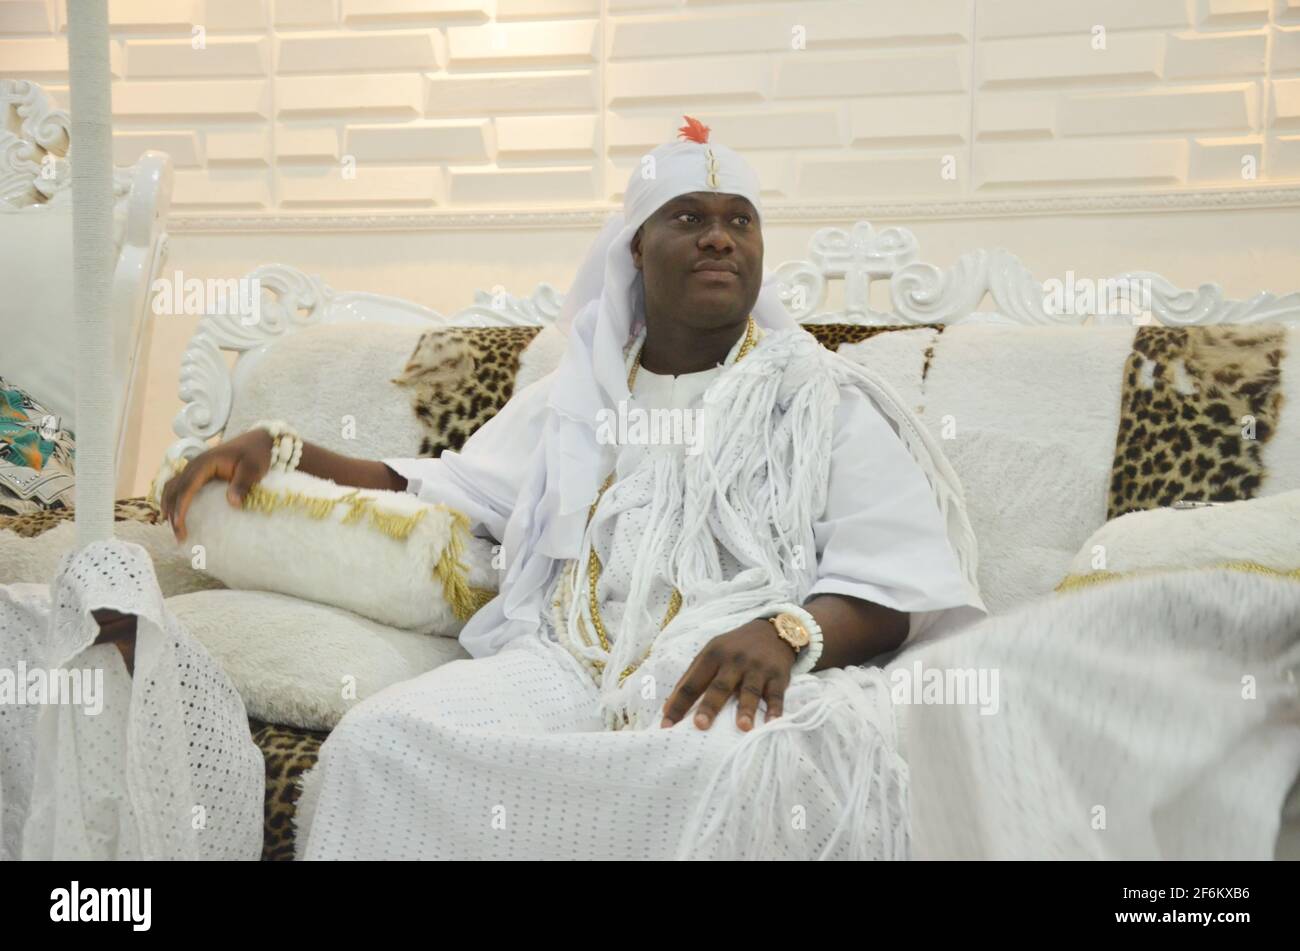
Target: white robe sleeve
484 478
881 537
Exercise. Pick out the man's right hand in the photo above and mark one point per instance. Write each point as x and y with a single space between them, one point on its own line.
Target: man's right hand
241 461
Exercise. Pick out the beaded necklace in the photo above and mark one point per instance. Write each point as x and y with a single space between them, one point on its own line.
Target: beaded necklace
594 566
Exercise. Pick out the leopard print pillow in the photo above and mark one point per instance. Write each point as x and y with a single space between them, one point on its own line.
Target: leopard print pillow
1198 407
460 378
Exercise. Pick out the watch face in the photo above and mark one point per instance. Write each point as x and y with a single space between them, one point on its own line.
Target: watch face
791 630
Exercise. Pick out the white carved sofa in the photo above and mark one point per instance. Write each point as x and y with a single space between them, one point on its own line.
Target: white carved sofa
1029 403
36 312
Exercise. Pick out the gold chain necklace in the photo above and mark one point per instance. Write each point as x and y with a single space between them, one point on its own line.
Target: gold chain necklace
594 566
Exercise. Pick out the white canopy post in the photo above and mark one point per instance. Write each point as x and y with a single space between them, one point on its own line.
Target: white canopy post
92 257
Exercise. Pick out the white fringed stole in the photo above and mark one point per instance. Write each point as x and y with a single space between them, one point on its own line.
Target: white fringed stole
757 488
838 733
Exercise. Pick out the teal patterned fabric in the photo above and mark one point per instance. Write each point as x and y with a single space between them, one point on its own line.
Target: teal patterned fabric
37 455
22 442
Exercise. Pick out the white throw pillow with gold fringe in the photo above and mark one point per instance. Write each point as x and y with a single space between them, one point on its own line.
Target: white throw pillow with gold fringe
1260 535
383 555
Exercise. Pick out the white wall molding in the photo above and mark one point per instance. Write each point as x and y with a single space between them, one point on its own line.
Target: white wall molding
775 212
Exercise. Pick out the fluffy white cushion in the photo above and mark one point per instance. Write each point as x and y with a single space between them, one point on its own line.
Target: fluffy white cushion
384 555
542 355
898 356
334 384
303 664
1263 532
1028 417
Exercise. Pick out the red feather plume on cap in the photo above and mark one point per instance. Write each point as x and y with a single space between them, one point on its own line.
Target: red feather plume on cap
694 130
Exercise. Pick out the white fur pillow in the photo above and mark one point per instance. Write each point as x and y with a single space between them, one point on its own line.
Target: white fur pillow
337 384
542 355
1256 534
383 555
302 664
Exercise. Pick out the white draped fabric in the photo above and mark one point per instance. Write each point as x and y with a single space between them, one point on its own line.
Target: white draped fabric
159 765
1153 717
506 758
883 541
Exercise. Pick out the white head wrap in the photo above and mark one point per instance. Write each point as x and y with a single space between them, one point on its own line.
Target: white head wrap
677 168
605 306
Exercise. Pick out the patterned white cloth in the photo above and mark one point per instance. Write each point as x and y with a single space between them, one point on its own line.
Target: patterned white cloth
506 757
1152 717
160 765
620 525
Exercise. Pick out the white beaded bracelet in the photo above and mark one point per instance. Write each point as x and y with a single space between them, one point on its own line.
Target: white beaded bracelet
297 453
809 656
286 446
290 452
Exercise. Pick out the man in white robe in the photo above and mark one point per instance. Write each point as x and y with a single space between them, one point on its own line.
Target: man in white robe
568 736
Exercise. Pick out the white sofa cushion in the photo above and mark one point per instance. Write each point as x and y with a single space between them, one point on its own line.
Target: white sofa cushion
1028 417
36 312
36 560
1261 533
302 664
334 384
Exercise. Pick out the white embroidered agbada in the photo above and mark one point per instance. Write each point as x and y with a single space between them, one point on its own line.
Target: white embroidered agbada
809 477
161 766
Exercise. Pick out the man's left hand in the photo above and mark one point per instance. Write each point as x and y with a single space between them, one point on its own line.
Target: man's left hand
752 660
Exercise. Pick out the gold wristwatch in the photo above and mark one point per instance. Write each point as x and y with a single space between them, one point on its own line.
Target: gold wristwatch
791 630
